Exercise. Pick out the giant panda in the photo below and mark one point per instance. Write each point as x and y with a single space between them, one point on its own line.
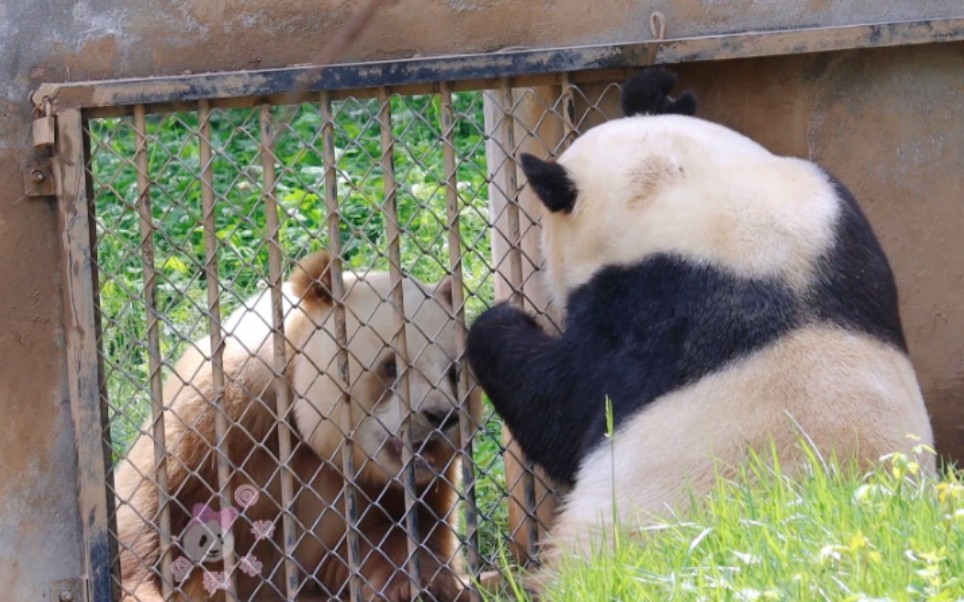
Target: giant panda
722 298
317 407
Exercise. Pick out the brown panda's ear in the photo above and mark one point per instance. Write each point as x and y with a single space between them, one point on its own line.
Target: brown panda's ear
311 278
551 183
444 291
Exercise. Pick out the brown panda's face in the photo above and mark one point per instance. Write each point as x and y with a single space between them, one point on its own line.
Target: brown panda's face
377 389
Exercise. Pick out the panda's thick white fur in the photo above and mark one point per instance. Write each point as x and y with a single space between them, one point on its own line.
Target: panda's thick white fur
848 396
370 326
660 184
724 299
250 404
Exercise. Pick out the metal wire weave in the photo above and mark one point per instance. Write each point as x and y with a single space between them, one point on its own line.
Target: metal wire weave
199 210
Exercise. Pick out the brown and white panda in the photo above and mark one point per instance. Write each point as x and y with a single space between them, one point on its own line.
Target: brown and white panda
318 506
720 296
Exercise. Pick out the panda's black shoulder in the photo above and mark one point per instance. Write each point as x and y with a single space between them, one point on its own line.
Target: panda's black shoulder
854 285
650 328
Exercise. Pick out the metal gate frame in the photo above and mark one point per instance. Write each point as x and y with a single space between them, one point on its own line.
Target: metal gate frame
72 103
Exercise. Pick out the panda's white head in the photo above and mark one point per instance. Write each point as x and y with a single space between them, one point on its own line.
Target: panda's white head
374 370
676 184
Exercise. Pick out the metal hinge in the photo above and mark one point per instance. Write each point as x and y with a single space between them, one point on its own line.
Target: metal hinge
38 178
69 590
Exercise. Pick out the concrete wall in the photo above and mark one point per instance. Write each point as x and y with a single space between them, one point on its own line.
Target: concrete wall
887 122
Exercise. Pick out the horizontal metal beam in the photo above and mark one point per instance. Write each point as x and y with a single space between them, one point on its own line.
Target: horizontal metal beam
483 69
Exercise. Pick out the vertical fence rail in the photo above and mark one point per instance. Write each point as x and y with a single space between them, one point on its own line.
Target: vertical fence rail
80 327
104 405
463 385
341 338
568 107
279 356
214 328
153 344
399 341
514 235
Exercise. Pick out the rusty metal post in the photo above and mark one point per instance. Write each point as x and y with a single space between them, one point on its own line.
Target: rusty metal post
80 327
215 334
341 338
153 345
505 198
400 340
280 353
463 387
525 532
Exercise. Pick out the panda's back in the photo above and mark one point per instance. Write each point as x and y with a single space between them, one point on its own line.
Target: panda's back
658 325
739 363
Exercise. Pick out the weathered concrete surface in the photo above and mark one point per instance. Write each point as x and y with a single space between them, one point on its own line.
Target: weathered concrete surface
802 105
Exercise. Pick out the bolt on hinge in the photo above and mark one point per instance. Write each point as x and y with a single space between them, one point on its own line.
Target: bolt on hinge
68 590
38 178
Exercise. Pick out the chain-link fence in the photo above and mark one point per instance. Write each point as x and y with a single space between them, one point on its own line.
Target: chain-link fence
286 432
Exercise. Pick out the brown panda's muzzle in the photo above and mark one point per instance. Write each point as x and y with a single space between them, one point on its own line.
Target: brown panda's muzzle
435 438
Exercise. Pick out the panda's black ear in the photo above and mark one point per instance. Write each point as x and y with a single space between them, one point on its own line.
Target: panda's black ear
312 277
551 183
647 93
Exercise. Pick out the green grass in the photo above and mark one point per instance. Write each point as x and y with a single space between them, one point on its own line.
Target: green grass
173 158
889 535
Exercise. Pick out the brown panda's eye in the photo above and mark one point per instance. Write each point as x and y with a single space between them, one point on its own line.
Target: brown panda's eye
389 369
453 378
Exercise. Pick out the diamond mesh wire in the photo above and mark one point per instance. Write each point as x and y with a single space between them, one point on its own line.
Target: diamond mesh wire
203 225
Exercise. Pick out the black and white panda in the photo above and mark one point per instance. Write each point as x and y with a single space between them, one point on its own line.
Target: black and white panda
720 296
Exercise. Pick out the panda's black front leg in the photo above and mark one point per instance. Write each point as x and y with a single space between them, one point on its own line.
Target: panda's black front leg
527 377
501 344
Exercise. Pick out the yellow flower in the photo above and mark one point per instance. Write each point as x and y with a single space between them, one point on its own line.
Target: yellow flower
933 557
857 542
949 492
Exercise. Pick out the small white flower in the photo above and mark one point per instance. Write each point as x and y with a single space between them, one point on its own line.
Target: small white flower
747 558
829 553
869 493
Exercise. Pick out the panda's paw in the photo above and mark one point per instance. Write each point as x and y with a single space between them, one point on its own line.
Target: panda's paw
647 93
500 320
490 335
